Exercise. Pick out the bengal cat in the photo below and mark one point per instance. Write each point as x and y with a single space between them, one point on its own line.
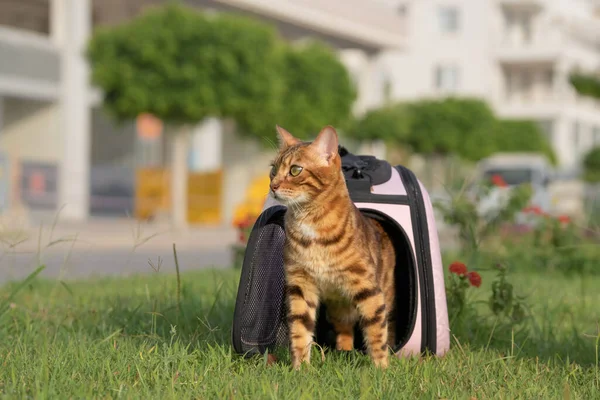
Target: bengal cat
333 254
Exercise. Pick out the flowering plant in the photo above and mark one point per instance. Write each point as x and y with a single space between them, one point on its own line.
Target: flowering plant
460 281
502 301
246 214
498 181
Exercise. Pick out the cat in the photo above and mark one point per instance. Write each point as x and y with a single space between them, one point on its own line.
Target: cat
333 254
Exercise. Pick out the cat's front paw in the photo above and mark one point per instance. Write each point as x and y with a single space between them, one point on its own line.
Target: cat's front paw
298 360
381 362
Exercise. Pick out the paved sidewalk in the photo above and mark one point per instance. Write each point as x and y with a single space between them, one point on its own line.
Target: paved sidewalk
106 246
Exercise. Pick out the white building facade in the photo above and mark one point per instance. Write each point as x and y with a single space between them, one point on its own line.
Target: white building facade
516 54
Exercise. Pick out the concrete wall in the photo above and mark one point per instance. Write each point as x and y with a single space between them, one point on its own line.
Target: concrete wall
112 142
31 131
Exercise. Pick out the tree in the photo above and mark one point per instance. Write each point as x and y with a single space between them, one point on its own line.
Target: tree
462 126
451 125
591 166
183 66
390 123
521 135
317 90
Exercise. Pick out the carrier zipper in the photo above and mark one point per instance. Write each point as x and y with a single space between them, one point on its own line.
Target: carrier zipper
424 264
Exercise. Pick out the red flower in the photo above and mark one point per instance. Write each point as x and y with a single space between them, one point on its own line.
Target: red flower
474 278
564 219
458 268
497 180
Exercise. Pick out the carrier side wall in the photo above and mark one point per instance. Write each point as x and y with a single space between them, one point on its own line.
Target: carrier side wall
441 305
401 214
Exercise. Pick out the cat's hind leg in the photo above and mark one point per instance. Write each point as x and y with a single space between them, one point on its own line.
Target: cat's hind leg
343 317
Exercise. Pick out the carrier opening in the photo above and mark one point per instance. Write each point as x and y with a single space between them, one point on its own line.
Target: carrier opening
406 290
260 321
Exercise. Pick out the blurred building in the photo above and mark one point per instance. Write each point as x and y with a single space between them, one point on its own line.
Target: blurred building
58 148
516 54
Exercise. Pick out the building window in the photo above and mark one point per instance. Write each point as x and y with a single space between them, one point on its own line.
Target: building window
448 19
577 135
596 136
519 84
402 10
518 27
385 82
446 78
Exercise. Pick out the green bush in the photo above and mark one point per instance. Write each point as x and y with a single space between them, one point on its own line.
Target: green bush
466 127
451 125
390 123
591 165
521 135
586 85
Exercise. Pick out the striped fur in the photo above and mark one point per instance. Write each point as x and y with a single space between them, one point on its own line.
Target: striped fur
333 254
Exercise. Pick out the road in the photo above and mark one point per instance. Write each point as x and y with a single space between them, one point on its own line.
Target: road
110 247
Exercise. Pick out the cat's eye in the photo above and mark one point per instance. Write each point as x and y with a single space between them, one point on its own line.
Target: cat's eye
295 170
273 170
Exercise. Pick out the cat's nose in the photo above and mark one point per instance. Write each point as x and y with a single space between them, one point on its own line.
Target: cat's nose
274 186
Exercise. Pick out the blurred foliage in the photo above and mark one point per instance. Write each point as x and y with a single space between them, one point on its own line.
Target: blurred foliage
517 234
556 244
466 127
318 90
390 123
522 135
591 166
451 125
585 85
182 66
475 227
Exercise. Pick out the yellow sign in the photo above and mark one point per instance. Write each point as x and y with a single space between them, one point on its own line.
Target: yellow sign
205 191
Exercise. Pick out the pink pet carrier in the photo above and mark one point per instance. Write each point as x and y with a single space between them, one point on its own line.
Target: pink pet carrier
397 199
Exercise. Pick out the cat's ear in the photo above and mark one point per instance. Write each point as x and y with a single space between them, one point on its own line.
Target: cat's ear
285 138
326 143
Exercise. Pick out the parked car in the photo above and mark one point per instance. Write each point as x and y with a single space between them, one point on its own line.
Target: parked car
513 169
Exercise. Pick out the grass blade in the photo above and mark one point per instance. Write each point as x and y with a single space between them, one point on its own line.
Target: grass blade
16 290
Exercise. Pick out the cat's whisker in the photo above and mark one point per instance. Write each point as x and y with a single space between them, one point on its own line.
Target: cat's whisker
271 143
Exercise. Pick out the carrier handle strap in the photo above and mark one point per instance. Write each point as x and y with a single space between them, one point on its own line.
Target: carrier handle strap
363 168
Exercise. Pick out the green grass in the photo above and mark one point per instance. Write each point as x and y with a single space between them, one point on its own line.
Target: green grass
124 338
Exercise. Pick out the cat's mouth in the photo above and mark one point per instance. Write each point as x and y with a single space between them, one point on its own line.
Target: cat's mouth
285 198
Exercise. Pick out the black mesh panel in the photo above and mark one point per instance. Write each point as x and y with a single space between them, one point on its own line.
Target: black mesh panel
261 316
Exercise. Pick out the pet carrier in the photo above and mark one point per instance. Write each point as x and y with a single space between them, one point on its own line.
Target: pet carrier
393 196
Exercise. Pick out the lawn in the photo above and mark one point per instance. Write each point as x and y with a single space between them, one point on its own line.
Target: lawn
127 338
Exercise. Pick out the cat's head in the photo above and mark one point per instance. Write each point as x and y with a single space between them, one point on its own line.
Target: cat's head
302 170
